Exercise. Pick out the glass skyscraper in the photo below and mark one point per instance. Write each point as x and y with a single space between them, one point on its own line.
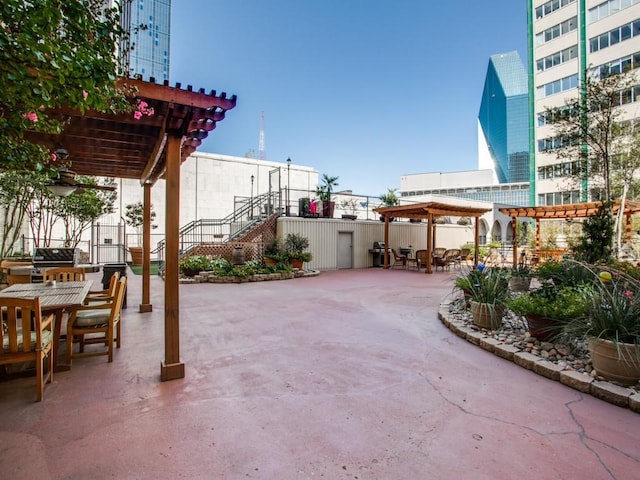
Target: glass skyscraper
145 53
503 119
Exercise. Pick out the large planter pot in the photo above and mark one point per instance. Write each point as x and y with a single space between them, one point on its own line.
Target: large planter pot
487 315
328 208
136 255
296 263
618 362
541 328
519 284
269 262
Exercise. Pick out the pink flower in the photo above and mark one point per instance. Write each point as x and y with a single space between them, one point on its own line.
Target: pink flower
150 112
143 105
628 294
32 116
54 157
137 115
85 94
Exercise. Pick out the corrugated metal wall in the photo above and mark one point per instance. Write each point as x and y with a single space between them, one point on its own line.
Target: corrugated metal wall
323 238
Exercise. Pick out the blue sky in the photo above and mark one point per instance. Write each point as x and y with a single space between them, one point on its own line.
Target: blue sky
366 90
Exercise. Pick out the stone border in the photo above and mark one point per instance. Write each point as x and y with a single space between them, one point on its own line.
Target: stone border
209 277
609 392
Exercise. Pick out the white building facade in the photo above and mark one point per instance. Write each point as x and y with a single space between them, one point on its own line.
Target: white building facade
569 39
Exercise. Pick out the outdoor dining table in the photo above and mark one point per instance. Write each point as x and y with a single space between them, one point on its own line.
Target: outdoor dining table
54 298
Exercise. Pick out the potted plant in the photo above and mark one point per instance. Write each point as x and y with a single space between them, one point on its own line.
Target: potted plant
350 206
565 272
549 308
389 199
194 264
274 253
465 281
134 217
294 247
324 191
488 292
612 326
520 278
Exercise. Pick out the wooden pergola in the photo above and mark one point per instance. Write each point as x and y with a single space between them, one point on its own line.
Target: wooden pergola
147 149
429 211
561 212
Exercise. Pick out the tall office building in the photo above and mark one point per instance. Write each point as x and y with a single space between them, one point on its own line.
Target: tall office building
503 128
145 53
569 39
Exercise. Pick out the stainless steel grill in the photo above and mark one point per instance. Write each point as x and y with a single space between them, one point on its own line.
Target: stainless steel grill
56 257
53 257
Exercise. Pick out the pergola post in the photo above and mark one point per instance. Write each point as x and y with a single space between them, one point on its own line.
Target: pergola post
146 306
476 247
172 368
514 236
387 248
430 240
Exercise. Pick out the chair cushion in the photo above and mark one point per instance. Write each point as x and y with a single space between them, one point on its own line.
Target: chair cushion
93 318
47 336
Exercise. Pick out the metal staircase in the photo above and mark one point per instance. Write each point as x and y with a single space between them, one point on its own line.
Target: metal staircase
248 213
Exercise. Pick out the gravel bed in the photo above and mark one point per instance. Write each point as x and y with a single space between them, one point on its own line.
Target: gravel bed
570 353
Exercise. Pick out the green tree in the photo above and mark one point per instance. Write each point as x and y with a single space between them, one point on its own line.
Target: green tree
134 217
596 243
53 54
390 198
16 192
327 184
79 210
591 134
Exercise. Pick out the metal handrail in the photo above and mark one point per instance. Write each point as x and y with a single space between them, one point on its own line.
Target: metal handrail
248 213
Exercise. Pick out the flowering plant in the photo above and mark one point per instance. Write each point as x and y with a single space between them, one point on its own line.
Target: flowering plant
142 108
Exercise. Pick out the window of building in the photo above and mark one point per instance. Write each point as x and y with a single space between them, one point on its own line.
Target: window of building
608 8
615 36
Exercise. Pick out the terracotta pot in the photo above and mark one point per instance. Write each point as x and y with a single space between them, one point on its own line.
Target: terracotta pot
618 362
136 255
269 262
296 263
541 327
487 315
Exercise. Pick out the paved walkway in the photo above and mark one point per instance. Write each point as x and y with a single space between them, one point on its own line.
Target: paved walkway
342 376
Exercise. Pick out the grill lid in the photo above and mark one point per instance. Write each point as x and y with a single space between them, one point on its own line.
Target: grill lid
56 256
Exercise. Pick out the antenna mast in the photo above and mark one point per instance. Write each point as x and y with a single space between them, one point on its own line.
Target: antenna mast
261 155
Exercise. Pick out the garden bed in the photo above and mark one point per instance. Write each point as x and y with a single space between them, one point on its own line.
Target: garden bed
568 364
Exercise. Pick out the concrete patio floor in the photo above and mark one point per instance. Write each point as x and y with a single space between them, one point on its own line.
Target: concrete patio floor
348 375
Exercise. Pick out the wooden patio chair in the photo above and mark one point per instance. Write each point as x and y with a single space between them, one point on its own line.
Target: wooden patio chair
421 259
398 259
97 324
464 254
95 296
64 274
27 337
452 257
437 259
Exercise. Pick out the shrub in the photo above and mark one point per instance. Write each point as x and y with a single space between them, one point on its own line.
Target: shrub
194 264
